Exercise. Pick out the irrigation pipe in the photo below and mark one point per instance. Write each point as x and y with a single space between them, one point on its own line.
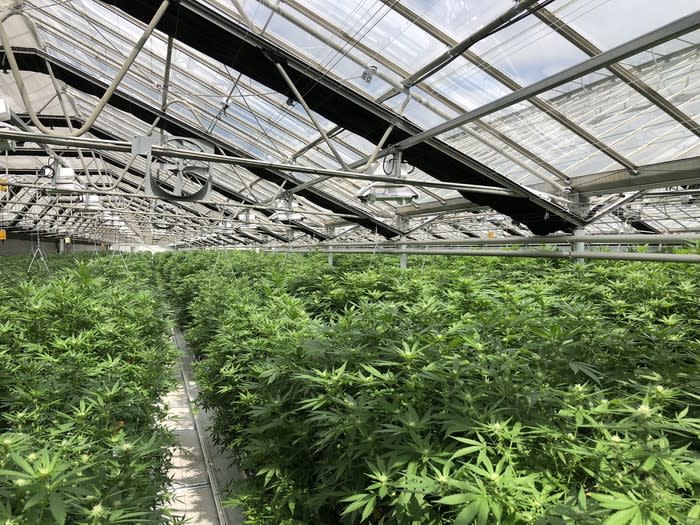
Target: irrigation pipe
552 254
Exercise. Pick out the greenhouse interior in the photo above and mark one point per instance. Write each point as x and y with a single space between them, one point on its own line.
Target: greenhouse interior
382 262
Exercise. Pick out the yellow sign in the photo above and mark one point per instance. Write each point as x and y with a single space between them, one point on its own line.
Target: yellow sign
491 234
3 235
3 185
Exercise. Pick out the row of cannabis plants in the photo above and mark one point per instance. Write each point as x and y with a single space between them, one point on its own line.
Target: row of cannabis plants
84 361
460 391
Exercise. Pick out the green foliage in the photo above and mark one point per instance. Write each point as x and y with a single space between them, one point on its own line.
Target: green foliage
84 361
460 391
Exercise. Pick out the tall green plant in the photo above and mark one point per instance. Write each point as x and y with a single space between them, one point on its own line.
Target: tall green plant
461 391
86 360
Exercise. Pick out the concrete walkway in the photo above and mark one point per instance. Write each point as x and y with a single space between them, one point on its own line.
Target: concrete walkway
197 490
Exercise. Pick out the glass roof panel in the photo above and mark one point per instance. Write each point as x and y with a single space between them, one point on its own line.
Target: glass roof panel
330 52
540 134
374 23
490 151
528 51
466 85
384 30
425 113
675 76
458 18
627 122
600 20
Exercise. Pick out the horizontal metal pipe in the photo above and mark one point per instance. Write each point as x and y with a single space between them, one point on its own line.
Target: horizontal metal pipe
229 204
125 147
553 239
633 256
617 256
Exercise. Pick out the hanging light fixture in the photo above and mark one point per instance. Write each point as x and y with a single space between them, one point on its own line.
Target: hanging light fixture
247 223
92 203
64 180
388 191
288 212
383 191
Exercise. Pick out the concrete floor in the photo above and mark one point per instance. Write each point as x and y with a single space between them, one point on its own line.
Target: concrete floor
195 487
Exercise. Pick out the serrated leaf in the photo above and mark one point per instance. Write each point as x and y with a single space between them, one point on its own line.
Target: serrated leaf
616 502
673 473
24 464
354 497
455 499
467 514
57 507
658 519
13 474
582 498
649 463
369 508
353 507
622 517
484 510
466 451
36 498
587 369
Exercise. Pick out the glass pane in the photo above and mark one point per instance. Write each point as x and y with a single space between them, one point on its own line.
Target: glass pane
546 138
458 18
626 121
379 28
466 85
528 51
601 21
494 154
676 77
329 52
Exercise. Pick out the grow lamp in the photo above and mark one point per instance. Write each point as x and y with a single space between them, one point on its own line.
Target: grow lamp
64 180
247 228
382 191
283 216
92 202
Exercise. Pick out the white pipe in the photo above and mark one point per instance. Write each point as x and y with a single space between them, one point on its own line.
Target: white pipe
154 198
105 98
111 145
553 239
617 256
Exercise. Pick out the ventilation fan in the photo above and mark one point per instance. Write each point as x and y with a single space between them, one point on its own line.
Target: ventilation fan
180 179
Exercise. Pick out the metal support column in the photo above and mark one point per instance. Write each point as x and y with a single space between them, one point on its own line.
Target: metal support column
578 246
402 222
330 233
404 256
